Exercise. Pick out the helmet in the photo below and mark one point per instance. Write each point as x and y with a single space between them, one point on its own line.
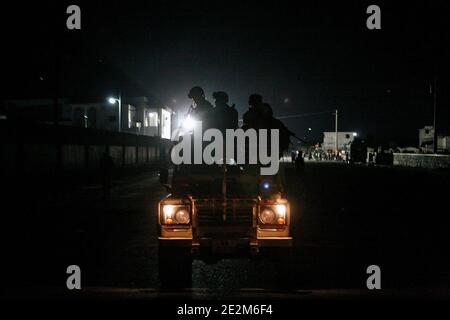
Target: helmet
196 92
221 96
255 99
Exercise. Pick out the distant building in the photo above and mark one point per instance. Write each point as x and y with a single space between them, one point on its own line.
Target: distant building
426 140
146 119
426 137
138 116
344 141
444 143
82 99
89 115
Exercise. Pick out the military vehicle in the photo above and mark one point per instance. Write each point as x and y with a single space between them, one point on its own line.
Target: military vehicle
214 211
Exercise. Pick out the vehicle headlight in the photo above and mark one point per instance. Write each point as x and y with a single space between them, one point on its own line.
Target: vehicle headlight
267 216
168 210
182 216
175 214
281 213
273 214
281 210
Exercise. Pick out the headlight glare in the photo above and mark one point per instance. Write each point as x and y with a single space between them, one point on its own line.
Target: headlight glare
175 214
182 216
281 210
274 213
267 216
168 210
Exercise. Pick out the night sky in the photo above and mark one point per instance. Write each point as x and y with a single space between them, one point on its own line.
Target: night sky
303 57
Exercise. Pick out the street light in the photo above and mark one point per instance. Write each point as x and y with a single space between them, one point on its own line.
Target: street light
119 101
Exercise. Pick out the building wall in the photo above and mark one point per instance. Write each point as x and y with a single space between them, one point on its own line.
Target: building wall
116 153
94 154
73 156
430 161
82 115
444 143
41 157
344 140
426 138
426 135
151 122
49 148
166 124
141 155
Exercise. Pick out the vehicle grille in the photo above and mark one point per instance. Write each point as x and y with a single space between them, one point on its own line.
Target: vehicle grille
236 213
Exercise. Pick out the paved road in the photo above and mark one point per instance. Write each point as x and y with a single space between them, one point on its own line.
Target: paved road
346 218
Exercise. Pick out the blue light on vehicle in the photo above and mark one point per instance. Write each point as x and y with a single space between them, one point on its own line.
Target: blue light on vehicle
266 185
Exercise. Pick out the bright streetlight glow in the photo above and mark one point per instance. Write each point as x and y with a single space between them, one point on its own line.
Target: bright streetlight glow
188 123
112 100
355 134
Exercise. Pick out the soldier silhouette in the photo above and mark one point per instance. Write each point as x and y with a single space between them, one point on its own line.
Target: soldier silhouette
225 116
252 118
202 108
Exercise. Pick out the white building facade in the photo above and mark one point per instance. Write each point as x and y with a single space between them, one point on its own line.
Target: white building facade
344 141
426 140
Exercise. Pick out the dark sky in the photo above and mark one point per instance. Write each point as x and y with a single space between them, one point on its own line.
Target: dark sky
319 55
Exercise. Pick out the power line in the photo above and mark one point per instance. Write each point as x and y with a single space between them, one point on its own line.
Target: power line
299 115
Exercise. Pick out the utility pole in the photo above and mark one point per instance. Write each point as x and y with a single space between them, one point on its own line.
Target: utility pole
435 133
336 129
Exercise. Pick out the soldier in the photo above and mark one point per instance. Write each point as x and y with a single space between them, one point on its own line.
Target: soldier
269 122
260 116
225 116
253 116
202 108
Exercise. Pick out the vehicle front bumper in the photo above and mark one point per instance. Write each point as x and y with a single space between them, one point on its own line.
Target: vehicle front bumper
225 240
196 244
